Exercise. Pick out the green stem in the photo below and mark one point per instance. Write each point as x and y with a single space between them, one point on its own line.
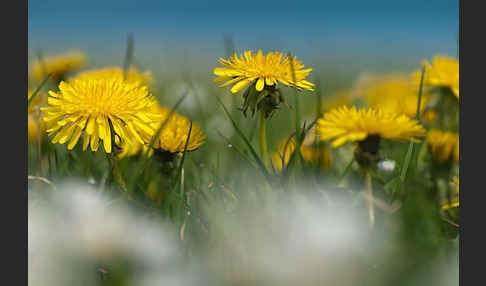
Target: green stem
111 160
263 137
369 197
116 172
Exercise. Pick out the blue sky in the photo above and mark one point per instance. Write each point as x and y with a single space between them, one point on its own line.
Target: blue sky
348 29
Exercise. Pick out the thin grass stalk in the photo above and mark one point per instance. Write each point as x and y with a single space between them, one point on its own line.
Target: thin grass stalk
128 55
263 137
36 91
258 160
112 161
369 198
408 156
297 105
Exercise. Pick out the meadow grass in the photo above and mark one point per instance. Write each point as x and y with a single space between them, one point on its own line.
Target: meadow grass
207 194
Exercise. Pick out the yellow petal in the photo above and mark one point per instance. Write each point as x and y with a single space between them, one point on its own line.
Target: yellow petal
260 84
74 140
240 85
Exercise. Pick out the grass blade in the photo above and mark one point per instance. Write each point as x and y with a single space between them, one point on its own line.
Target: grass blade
181 165
346 171
36 91
129 54
408 156
248 144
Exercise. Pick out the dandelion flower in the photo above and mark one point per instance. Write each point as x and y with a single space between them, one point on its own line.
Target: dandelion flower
263 73
311 152
455 202
173 135
59 66
444 145
341 97
133 75
35 124
98 109
443 72
395 93
345 124
267 70
133 148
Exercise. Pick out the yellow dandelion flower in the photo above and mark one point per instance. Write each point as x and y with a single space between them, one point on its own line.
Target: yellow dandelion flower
443 72
173 135
341 97
455 202
35 124
395 93
133 148
133 75
345 124
59 66
444 145
267 70
310 153
96 108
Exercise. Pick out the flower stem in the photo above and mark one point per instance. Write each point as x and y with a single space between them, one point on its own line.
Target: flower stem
369 196
263 137
111 160
115 171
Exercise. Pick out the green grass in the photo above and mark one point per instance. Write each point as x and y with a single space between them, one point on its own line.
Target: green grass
208 191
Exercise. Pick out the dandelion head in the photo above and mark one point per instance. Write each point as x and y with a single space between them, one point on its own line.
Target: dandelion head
263 73
134 148
442 72
395 93
133 75
444 145
174 132
99 110
341 97
312 151
58 66
345 124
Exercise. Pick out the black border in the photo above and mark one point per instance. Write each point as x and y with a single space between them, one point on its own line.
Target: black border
14 140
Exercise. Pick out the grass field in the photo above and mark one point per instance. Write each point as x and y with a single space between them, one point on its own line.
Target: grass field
228 212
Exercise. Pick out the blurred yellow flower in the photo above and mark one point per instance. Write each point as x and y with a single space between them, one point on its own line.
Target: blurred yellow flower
97 108
345 124
35 123
395 93
444 145
133 75
59 66
443 72
267 70
173 135
455 202
341 97
310 152
133 148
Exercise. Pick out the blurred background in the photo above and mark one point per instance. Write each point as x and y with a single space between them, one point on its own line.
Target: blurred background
345 36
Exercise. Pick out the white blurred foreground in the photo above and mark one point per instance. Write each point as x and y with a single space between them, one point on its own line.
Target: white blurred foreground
79 236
